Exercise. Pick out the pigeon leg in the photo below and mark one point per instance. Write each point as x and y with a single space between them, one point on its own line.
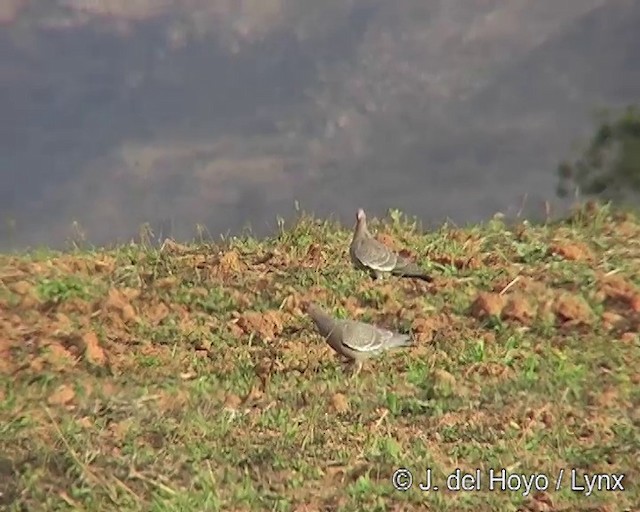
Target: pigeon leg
377 275
357 367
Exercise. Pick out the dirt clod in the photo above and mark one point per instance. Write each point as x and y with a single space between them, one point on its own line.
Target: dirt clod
487 304
62 395
339 403
575 251
573 309
92 349
520 309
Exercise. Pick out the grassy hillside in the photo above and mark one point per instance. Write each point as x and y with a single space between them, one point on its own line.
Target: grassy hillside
186 378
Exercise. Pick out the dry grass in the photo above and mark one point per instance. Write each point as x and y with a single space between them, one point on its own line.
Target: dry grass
186 378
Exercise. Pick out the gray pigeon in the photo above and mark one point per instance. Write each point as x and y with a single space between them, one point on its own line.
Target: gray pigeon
355 340
369 254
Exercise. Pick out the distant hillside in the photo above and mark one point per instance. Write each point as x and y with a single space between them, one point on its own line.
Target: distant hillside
224 113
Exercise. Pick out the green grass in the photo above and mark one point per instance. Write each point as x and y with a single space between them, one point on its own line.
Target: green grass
208 388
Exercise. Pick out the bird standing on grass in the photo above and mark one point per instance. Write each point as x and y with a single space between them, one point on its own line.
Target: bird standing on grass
355 340
369 254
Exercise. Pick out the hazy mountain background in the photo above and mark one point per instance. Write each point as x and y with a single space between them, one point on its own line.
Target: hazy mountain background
223 112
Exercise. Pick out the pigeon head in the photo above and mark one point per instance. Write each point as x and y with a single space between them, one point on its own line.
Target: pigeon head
309 307
361 223
318 314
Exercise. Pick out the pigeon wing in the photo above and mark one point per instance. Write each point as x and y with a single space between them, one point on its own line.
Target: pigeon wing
375 255
366 338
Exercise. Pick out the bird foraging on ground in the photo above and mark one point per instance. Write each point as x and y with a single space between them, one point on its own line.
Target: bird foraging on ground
355 340
377 259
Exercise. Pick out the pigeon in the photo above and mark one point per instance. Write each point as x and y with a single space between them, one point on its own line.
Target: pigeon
369 254
355 340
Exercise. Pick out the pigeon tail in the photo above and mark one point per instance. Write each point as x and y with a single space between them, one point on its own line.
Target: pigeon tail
411 270
399 340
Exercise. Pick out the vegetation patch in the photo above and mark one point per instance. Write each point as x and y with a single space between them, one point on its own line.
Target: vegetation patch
187 377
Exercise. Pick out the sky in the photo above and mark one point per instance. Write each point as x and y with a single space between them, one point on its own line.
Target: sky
208 116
